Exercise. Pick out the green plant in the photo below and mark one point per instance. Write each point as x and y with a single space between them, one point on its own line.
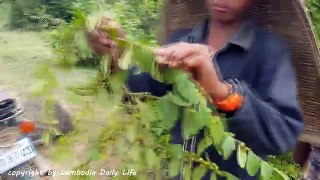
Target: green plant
69 36
314 9
137 128
27 15
286 165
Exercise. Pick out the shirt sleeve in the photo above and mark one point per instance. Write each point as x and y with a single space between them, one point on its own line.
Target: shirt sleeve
143 82
270 121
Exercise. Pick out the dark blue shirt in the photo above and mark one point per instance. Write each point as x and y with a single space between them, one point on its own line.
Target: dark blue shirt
270 119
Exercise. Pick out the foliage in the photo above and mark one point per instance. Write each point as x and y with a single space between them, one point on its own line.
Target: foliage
24 15
314 9
138 126
69 37
286 165
44 14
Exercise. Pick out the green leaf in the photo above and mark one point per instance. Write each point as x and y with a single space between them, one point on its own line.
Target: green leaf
213 176
278 175
168 113
192 123
187 89
151 158
174 167
253 164
230 176
177 100
144 58
198 172
175 151
228 146
241 157
216 130
266 171
170 75
148 112
126 59
187 173
203 145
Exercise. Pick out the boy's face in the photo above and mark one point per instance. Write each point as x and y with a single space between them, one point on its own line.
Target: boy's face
228 11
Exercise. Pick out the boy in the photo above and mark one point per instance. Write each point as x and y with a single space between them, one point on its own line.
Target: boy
246 71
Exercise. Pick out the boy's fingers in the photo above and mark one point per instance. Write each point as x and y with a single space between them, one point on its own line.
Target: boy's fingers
177 52
161 60
192 61
182 54
165 50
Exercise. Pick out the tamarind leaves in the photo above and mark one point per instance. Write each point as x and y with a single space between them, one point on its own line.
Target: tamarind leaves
143 58
198 173
241 156
177 100
170 76
265 171
230 176
187 89
216 130
253 164
213 176
174 167
192 123
168 113
126 60
203 145
278 175
228 147
151 158
175 151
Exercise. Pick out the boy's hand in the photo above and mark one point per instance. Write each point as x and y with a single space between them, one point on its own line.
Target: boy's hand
100 41
195 59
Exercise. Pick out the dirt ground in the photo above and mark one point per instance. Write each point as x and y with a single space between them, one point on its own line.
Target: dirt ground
21 53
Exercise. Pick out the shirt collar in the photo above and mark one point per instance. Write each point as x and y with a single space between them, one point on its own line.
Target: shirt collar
243 38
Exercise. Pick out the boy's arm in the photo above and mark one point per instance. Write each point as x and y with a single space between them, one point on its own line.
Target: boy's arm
270 122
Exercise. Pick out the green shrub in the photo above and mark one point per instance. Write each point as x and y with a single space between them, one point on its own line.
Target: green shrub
314 11
24 14
285 164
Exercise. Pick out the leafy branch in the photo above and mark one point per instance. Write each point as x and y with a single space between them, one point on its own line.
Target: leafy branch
141 123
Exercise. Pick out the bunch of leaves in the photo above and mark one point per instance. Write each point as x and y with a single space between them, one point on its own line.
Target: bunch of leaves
144 16
70 43
286 165
314 11
138 125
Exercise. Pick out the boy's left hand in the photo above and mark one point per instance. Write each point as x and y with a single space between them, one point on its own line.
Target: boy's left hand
195 59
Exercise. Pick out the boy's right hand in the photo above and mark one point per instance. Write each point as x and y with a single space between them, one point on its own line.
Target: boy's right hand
100 41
